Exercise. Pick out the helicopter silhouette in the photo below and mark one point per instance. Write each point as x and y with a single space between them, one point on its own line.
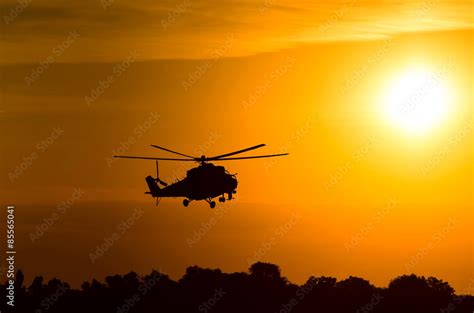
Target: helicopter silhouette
204 182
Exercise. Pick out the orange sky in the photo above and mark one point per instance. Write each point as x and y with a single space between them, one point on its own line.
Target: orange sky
357 195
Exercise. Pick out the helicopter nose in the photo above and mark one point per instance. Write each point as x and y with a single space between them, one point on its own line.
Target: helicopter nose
234 183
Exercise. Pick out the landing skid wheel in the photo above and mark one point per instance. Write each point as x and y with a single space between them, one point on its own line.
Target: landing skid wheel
212 204
222 199
185 202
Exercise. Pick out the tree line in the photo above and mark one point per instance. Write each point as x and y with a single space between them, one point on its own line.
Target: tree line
262 289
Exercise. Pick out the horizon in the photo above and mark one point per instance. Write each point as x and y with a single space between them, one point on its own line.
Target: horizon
465 292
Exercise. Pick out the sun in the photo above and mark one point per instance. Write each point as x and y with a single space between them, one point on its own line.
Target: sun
417 101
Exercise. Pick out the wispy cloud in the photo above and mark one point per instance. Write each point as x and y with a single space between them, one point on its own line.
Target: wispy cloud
263 25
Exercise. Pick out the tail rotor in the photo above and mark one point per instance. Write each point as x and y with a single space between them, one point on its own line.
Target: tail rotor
157 179
153 182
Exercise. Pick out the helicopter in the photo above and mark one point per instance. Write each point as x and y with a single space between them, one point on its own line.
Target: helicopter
204 182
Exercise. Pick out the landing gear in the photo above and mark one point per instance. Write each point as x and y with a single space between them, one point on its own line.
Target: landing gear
212 204
222 199
185 202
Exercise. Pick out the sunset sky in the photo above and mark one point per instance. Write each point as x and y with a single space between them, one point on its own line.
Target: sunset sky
368 189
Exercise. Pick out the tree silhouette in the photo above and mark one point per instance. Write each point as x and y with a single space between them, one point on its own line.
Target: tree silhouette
263 289
265 271
417 294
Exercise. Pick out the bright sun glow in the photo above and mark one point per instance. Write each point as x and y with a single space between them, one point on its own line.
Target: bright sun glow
417 101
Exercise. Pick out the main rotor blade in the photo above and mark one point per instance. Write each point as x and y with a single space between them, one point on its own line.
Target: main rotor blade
158 147
150 158
235 152
253 157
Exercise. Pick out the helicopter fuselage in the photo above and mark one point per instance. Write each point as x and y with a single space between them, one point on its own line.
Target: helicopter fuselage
204 182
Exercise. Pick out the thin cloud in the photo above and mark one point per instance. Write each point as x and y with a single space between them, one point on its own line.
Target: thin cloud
194 27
